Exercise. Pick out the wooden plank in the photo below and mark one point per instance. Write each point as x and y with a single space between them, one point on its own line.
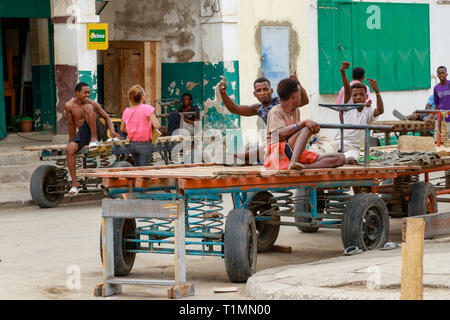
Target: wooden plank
436 224
140 209
412 260
282 249
225 290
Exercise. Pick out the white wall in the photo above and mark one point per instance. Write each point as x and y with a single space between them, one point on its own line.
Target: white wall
405 101
251 13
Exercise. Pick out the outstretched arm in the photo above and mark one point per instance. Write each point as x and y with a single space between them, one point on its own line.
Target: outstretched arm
380 106
345 82
105 116
241 110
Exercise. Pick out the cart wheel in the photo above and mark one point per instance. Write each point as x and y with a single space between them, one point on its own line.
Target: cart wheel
123 261
266 234
240 245
422 199
43 195
365 223
119 164
303 205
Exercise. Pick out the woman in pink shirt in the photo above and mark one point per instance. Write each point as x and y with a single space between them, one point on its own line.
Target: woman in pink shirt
138 120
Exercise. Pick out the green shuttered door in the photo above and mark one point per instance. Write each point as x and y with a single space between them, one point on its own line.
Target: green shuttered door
391 41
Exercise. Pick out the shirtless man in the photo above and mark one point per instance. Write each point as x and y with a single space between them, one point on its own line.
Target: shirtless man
82 115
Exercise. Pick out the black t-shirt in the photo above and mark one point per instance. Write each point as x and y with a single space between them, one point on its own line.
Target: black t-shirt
191 109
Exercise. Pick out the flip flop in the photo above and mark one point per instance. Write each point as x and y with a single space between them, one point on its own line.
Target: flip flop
93 145
113 139
73 191
390 246
398 115
352 250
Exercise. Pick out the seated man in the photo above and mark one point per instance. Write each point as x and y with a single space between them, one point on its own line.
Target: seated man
263 92
174 118
82 115
287 136
364 115
417 116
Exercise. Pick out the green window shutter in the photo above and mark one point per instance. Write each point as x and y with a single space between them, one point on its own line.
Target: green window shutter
335 42
391 41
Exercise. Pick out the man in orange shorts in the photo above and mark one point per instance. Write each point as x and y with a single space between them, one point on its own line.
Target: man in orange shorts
287 136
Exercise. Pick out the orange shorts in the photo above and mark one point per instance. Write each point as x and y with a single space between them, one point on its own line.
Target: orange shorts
306 157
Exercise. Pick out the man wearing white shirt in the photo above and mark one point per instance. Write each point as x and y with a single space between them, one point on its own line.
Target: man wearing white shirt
364 115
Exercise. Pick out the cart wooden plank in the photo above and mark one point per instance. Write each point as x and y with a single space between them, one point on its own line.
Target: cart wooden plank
216 171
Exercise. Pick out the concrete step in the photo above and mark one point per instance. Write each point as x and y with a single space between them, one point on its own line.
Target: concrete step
20 173
17 195
18 158
11 152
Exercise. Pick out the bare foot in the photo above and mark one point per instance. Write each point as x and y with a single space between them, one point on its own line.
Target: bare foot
296 166
351 161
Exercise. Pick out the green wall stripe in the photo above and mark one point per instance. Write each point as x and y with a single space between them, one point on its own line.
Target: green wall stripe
25 9
44 114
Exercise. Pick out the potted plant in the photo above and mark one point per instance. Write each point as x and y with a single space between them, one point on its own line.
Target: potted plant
26 124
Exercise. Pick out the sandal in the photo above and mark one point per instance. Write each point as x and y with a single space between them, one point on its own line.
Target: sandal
73 191
93 145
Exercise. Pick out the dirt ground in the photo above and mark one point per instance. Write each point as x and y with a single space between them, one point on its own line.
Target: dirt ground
41 251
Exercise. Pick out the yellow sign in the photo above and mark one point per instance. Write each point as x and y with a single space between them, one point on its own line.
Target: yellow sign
97 35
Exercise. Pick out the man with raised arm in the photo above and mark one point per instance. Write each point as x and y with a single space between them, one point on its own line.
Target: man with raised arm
357 92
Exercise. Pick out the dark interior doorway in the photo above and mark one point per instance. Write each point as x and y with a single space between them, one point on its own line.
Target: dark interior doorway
17 70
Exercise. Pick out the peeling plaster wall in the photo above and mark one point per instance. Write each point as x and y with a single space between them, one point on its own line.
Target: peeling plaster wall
252 14
175 23
197 49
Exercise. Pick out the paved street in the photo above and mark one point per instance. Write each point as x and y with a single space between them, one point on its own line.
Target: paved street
38 246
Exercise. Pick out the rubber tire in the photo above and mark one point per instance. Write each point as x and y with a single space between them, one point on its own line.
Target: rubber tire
304 206
119 164
269 232
352 222
240 245
37 187
418 199
122 264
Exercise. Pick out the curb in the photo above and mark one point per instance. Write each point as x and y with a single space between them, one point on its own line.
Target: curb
66 200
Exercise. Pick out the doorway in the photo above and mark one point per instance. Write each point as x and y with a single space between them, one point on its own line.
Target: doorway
17 71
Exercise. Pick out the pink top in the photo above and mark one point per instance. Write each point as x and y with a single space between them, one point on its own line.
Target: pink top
139 126
340 97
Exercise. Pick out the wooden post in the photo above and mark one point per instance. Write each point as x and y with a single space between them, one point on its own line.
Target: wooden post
412 259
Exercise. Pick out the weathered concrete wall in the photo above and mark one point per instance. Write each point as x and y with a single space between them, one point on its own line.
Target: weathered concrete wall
175 23
73 62
199 45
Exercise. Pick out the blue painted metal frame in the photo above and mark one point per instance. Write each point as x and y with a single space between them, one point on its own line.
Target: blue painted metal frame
208 230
